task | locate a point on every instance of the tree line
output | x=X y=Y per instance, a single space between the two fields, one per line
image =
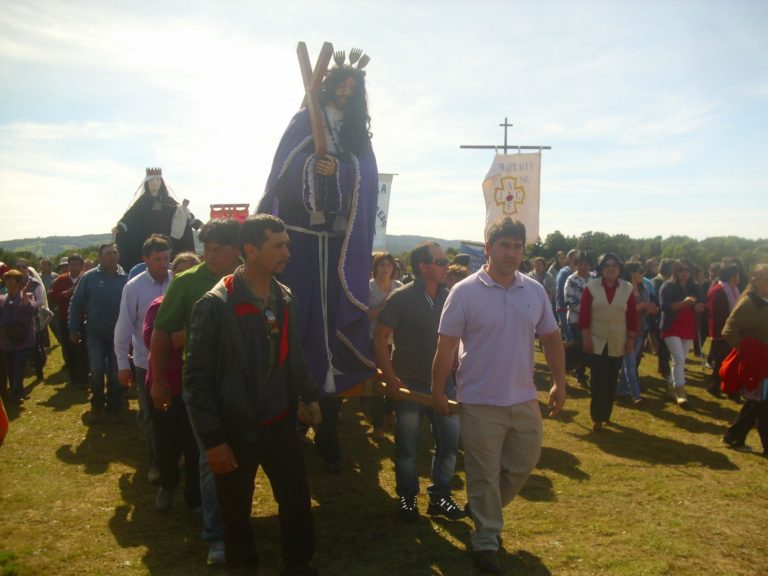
x=699 y=252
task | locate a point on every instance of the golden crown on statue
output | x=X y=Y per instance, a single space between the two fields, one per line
x=154 y=171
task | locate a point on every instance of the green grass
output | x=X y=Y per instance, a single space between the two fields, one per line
x=655 y=494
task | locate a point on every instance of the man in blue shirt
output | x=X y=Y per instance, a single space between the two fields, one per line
x=97 y=298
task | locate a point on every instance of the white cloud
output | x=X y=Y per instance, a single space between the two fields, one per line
x=632 y=98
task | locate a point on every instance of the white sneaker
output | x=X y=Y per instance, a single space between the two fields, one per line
x=680 y=397
x=217 y=553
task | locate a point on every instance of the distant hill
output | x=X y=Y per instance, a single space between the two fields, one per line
x=53 y=245
x=399 y=244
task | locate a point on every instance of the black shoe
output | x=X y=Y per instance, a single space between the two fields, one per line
x=487 y=561
x=738 y=445
x=446 y=506
x=409 y=510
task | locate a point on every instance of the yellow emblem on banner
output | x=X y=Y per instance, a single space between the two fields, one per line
x=510 y=194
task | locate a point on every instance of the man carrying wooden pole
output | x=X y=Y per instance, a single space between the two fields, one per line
x=411 y=316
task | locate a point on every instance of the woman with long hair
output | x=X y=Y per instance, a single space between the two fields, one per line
x=680 y=301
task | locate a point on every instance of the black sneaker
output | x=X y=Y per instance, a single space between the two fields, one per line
x=487 y=561
x=446 y=506
x=738 y=445
x=409 y=510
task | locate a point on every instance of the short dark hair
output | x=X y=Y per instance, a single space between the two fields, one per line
x=665 y=266
x=104 y=246
x=421 y=255
x=155 y=243
x=461 y=259
x=631 y=267
x=582 y=256
x=608 y=256
x=74 y=258
x=254 y=229
x=506 y=227
x=223 y=231
x=728 y=272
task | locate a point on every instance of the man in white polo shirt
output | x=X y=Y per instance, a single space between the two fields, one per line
x=495 y=314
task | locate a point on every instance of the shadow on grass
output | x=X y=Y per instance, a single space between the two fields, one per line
x=562 y=462
x=104 y=444
x=172 y=540
x=658 y=403
x=65 y=396
x=630 y=443
x=540 y=488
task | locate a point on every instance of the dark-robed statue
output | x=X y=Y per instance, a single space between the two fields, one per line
x=153 y=211
x=328 y=201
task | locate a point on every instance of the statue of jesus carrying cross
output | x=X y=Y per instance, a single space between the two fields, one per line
x=324 y=186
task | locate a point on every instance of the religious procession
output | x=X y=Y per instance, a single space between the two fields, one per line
x=244 y=363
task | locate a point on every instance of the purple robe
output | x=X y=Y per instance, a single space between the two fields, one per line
x=342 y=258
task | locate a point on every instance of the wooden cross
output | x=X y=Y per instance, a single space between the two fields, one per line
x=313 y=82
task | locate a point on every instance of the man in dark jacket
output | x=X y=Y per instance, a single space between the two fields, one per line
x=246 y=377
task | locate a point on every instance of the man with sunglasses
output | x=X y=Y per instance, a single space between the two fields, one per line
x=412 y=314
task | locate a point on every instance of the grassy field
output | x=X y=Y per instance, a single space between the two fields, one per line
x=655 y=493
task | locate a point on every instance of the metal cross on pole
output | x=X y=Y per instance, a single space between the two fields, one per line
x=506 y=125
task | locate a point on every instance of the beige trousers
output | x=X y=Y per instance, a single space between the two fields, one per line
x=502 y=444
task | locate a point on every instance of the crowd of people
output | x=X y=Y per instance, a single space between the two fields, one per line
x=211 y=347
x=234 y=355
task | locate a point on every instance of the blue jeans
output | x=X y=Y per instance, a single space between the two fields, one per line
x=103 y=364
x=629 y=381
x=212 y=531
x=446 y=431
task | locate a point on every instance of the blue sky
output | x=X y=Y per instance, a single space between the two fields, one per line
x=657 y=112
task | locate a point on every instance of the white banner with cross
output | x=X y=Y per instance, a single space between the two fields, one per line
x=511 y=188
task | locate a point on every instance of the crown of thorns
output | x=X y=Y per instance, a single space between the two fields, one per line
x=355 y=56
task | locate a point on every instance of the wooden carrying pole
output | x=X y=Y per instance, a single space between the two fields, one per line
x=313 y=81
x=375 y=386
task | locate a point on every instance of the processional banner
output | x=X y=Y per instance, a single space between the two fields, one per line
x=382 y=211
x=511 y=188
